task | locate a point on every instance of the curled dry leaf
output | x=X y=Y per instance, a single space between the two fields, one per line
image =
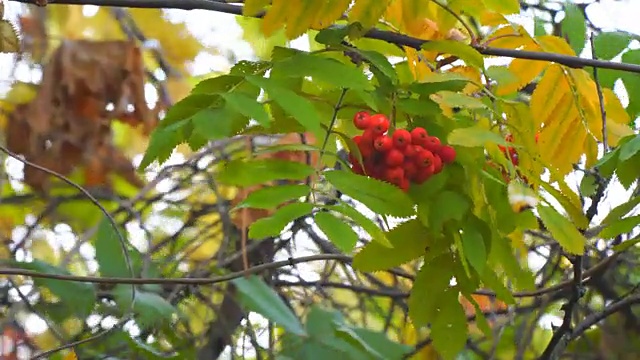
x=9 y=40
x=85 y=86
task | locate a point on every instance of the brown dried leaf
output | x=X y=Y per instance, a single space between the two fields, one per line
x=9 y=40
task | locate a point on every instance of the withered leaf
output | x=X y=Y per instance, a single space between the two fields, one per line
x=9 y=40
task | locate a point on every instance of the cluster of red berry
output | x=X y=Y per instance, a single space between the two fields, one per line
x=511 y=152
x=400 y=158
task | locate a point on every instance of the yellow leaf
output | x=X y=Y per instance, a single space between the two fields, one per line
x=253 y=7
x=417 y=64
x=548 y=94
x=71 y=355
x=525 y=72
x=503 y=6
x=72 y=326
x=492 y=18
x=299 y=19
x=275 y=17
x=510 y=37
x=367 y=12
x=554 y=44
x=331 y=11
x=413 y=14
x=471 y=73
x=617 y=118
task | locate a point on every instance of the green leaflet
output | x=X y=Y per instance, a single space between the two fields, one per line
x=274 y=224
x=337 y=231
x=574 y=27
x=271 y=197
x=380 y=197
x=259 y=171
x=562 y=230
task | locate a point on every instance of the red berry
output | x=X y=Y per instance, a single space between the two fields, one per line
x=352 y=159
x=401 y=139
x=379 y=123
x=437 y=164
x=356 y=168
x=410 y=169
x=357 y=139
x=514 y=159
x=362 y=120
x=366 y=149
x=368 y=136
x=383 y=143
x=537 y=137
x=432 y=144
x=404 y=184
x=411 y=151
x=424 y=159
x=394 y=175
x=447 y=154
x=394 y=158
x=419 y=136
x=503 y=149
x=424 y=175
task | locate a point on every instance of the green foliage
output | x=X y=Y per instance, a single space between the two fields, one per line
x=151 y=309
x=258 y=171
x=272 y=196
x=562 y=230
x=574 y=27
x=339 y=232
x=274 y=224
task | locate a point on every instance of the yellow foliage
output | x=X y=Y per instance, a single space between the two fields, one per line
x=301 y=16
x=253 y=7
x=275 y=17
x=525 y=72
x=554 y=44
x=367 y=12
x=41 y=249
x=72 y=326
x=510 y=37
x=331 y=11
x=469 y=72
x=47 y=340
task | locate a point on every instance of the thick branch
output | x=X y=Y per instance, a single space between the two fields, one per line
x=388 y=36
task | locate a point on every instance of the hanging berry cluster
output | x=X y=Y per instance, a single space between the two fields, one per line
x=401 y=158
x=510 y=152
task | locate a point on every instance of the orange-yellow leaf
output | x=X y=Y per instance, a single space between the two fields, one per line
x=554 y=44
x=275 y=17
x=510 y=37
x=525 y=72
x=301 y=16
x=253 y=7
x=331 y=11
x=492 y=18
x=470 y=72
x=548 y=94
x=617 y=118
x=367 y=12
x=417 y=64
x=503 y=6
x=414 y=12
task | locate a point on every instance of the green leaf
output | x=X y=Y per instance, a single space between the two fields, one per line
x=217 y=85
x=367 y=224
x=474 y=248
x=273 y=196
x=256 y=296
x=622 y=226
x=332 y=35
x=337 y=231
x=474 y=136
x=588 y=185
x=420 y=107
x=449 y=329
x=111 y=260
x=574 y=27
x=626 y=245
x=562 y=230
x=293 y=104
x=249 y=107
x=161 y=145
x=380 y=197
x=461 y=50
x=259 y=171
x=621 y=210
x=188 y=107
x=325 y=69
x=454 y=99
x=449 y=205
x=630 y=148
x=81 y=297
x=481 y=319
x=216 y=123
x=628 y=171
x=381 y=63
x=409 y=241
x=381 y=344
x=348 y=334
x=609 y=44
x=150 y=308
x=430 y=284
x=273 y=225
x=490 y=279
x=436 y=82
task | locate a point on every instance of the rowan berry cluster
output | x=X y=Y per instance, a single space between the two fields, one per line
x=401 y=158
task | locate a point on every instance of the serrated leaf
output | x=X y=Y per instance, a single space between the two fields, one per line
x=367 y=224
x=150 y=308
x=435 y=82
x=189 y=106
x=325 y=69
x=458 y=49
x=381 y=344
x=381 y=197
x=81 y=297
x=588 y=185
x=574 y=27
x=216 y=123
x=409 y=241
x=474 y=248
x=474 y=136
x=273 y=196
x=274 y=224
x=381 y=63
x=562 y=230
x=9 y=39
x=609 y=44
x=367 y=12
x=430 y=284
x=249 y=107
x=450 y=206
x=259 y=171
x=626 y=245
x=449 y=329
x=293 y=104
x=622 y=226
x=253 y=7
x=161 y=145
x=256 y=296
x=621 y=210
x=630 y=148
x=454 y=99
x=337 y=231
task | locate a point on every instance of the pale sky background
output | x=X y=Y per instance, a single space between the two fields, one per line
x=221 y=31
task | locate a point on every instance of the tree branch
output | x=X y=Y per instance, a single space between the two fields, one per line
x=387 y=36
